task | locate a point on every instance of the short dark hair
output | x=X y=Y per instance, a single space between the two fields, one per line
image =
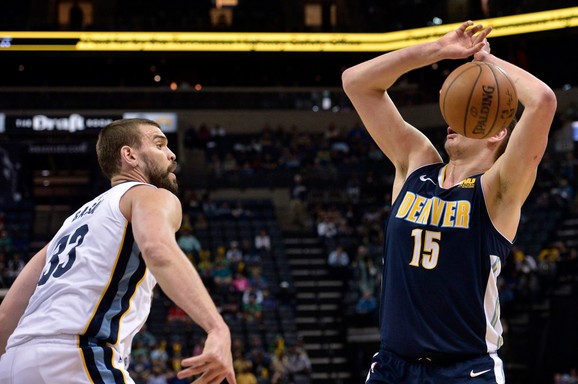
x=113 y=137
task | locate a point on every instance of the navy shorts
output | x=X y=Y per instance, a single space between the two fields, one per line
x=389 y=368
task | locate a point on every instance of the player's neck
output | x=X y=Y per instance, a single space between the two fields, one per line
x=124 y=177
x=456 y=171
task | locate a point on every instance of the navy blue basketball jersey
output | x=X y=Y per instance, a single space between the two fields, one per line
x=442 y=258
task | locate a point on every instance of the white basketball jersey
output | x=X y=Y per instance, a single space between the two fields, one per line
x=95 y=287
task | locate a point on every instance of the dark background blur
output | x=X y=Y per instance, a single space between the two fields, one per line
x=547 y=54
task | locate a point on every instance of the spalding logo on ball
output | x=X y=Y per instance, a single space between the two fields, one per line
x=478 y=100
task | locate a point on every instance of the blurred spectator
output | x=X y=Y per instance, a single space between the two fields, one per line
x=279 y=367
x=234 y=255
x=338 y=262
x=158 y=374
x=253 y=292
x=205 y=268
x=353 y=189
x=567 y=378
x=366 y=309
x=145 y=336
x=186 y=223
x=14 y=266
x=175 y=366
x=159 y=353
x=299 y=365
x=298 y=193
x=363 y=270
x=222 y=274
x=208 y=206
x=8 y=178
x=563 y=194
x=252 y=308
x=327 y=229
x=189 y=243
x=243 y=369
x=177 y=318
x=256 y=278
x=250 y=254
x=201 y=222
x=5 y=240
x=263 y=241
x=3 y=277
x=240 y=282
x=216 y=167
x=240 y=212
x=548 y=259
x=140 y=368
x=223 y=210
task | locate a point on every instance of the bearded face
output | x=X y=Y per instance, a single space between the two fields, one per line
x=162 y=178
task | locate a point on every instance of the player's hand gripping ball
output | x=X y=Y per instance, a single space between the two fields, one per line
x=478 y=99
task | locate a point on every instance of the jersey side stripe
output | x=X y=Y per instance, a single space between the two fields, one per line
x=98 y=362
x=99 y=326
x=90 y=323
x=135 y=277
x=102 y=330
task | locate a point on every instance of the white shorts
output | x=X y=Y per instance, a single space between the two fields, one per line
x=58 y=362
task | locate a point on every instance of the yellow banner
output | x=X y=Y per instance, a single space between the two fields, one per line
x=273 y=42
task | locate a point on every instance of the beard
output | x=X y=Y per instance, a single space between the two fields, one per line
x=160 y=178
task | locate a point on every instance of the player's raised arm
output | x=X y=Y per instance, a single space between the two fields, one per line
x=367 y=83
x=508 y=183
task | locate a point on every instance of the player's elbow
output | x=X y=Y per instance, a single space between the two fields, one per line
x=350 y=80
x=544 y=101
x=547 y=100
x=155 y=253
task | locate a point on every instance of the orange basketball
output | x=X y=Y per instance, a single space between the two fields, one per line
x=478 y=100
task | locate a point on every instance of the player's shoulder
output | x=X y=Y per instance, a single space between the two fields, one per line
x=149 y=195
x=149 y=191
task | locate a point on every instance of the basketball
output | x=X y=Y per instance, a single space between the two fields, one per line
x=478 y=99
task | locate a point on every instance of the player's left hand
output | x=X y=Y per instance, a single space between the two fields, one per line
x=214 y=365
x=465 y=41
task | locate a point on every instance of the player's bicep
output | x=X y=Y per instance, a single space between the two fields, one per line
x=518 y=165
x=155 y=216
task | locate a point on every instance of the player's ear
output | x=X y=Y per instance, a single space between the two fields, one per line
x=500 y=135
x=128 y=155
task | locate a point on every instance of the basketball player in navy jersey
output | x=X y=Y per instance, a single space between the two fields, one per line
x=452 y=224
x=73 y=311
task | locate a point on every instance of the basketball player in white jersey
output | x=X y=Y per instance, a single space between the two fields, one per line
x=72 y=313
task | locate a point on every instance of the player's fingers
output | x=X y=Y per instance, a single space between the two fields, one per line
x=201 y=359
x=484 y=33
x=473 y=30
x=211 y=377
x=193 y=370
x=231 y=379
x=465 y=25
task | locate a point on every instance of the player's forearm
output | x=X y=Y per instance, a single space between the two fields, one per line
x=381 y=73
x=182 y=284
x=532 y=92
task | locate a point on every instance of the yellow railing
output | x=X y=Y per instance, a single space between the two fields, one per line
x=273 y=42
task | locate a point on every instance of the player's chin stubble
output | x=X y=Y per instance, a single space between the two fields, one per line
x=161 y=179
